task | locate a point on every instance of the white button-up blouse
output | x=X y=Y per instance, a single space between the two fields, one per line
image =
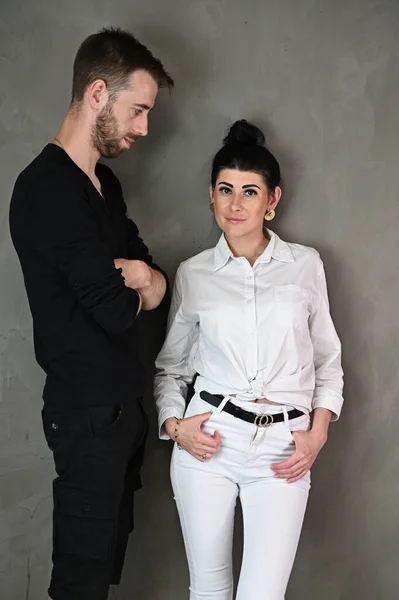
x=253 y=332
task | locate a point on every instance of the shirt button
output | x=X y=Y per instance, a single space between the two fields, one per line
x=249 y=301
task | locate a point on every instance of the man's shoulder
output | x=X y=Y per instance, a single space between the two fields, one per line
x=45 y=172
x=43 y=191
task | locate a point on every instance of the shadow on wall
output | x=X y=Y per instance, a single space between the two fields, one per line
x=155 y=560
x=335 y=519
x=190 y=74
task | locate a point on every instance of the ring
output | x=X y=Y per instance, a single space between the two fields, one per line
x=204 y=456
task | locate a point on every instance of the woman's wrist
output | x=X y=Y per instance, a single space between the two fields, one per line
x=172 y=425
x=320 y=435
x=321 y=419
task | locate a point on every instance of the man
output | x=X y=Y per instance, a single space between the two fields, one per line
x=87 y=275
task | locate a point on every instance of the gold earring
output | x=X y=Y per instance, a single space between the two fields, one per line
x=212 y=207
x=269 y=216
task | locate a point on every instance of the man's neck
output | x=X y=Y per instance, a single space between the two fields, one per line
x=75 y=138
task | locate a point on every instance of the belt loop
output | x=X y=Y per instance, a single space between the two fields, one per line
x=222 y=404
x=286 y=419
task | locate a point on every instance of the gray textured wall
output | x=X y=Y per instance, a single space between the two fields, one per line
x=322 y=78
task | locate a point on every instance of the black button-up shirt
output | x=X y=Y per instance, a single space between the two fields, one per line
x=67 y=236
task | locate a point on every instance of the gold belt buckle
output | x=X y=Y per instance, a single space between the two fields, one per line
x=262 y=421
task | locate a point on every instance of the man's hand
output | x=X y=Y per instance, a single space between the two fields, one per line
x=149 y=283
x=136 y=273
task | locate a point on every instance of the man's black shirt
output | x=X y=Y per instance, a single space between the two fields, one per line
x=67 y=236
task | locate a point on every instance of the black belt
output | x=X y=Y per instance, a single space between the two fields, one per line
x=260 y=419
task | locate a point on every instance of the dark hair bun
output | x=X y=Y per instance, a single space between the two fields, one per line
x=244 y=133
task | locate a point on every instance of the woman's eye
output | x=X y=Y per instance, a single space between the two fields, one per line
x=250 y=192
x=137 y=111
x=225 y=190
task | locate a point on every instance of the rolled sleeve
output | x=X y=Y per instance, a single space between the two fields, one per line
x=330 y=400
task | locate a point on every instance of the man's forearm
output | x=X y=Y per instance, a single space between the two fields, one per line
x=152 y=295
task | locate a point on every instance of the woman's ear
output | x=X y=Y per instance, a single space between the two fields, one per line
x=274 y=197
x=211 y=192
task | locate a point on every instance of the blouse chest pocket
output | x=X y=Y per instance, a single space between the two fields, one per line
x=291 y=306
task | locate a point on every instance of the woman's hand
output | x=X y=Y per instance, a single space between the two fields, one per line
x=308 y=445
x=190 y=437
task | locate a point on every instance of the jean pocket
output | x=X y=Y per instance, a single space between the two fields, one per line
x=104 y=420
x=55 y=430
x=197 y=406
x=301 y=423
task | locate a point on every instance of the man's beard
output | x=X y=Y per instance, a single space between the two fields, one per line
x=105 y=135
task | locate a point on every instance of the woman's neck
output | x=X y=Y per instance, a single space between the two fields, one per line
x=248 y=247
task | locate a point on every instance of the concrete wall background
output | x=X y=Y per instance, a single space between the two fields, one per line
x=322 y=79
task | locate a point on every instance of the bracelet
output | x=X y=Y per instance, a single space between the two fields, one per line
x=176 y=432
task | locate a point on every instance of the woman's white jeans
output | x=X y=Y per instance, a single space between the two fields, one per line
x=273 y=509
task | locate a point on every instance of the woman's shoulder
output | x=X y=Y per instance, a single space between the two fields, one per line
x=304 y=253
x=204 y=258
x=203 y=262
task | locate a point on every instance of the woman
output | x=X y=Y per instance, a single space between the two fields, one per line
x=250 y=319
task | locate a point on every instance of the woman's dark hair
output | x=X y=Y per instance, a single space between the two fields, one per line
x=244 y=149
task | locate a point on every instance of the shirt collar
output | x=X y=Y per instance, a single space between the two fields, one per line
x=276 y=248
